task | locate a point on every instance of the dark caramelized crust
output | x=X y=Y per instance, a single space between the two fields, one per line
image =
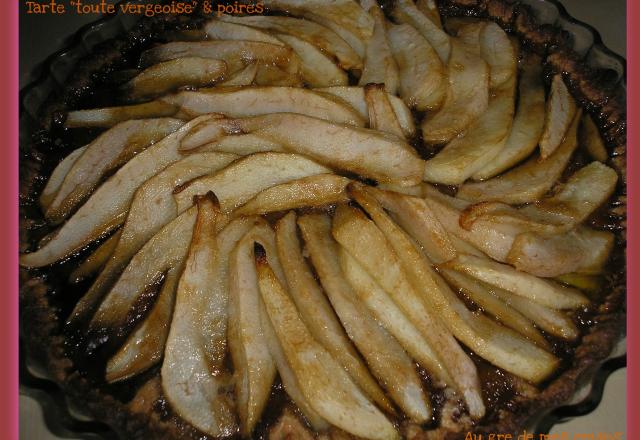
x=146 y=415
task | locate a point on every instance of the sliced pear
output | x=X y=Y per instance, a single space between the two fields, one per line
x=322 y=37
x=356 y=98
x=316 y=311
x=318 y=70
x=268 y=75
x=489 y=340
x=379 y=64
x=195 y=388
x=90 y=168
x=242 y=144
x=561 y=111
x=381 y=114
x=527 y=182
x=313 y=192
x=253 y=101
x=502 y=214
x=345 y=17
x=145 y=346
x=494 y=306
x=109 y=204
x=235 y=53
x=325 y=385
x=546 y=255
x=223 y=30
x=152 y=208
x=393 y=319
x=545 y=292
x=366 y=152
x=527 y=125
x=365 y=242
x=167 y=249
x=414 y=216
x=57 y=177
x=466 y=99
x=386 y=358
x=422 y=74
x=592 y=140
x=98 y=258
x=499 y=52
x=415 y=190
x=170 y=75
x=405 y=11
x=243 y=179
x=241 y=78
x=110 y=116
x=430 y=9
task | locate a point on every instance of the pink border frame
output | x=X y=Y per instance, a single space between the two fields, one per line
x=9 y=222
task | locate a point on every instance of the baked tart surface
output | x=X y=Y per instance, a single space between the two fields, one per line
x=404 y=221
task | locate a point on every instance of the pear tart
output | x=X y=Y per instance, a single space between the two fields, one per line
x=344 y=221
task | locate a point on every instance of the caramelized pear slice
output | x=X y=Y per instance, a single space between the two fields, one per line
x=145 y=346
x=527 y=182
x=57 y=177
x=367 y=244
x=326 y=386
x=466 y=99
x=527 y=125
x=405 y=11
x=356 y=98
x=312 y=192
x=110 y=116
x=274 y=76
x=379 y=65
x=223 y=30
x=252 y=101
x=110 y=202
x=98 y=157
x=545 y=292
x=316 y=311
x=242 y=145
x=98 y=258
x=170 y=75
x=592 y=140
x=430 y=9
x=195 y=387
x=422 y=74
x=386 y=358
x=561 y=111
x=248 y=176
x=318 y=70
x=390 y=315
x=241 y=78
x=381 y=114
x=152 y=208
x=322 y=37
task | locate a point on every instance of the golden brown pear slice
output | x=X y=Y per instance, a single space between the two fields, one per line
x=527 y=125
x=405 y=11
x=98 y=157
x=527 y=182
x=393 y=319
x=170 y=75
x=345 y=17
x=422 y=74
x=274 y=76
x=356 y=98
x=316 y=311
x=248 y=176
x=145 y=346
x=545 y=292
x=430 y=9
x=57 y=177
x=252 y=101
x=322 y=37
x=495 y=343
x=110 y=116
x=326 y=386
x=110 y=202
x=367 y=244
x=592 y=140
x=242 y=145
x=241 y=78
x=386 y=358
x=313 y=192
x=223 y=30
x=195 y=387
x=467 y=95
x=379 y=64
x=152 y=208
x=381 y=114
x=561 y=111
x=98 y=258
